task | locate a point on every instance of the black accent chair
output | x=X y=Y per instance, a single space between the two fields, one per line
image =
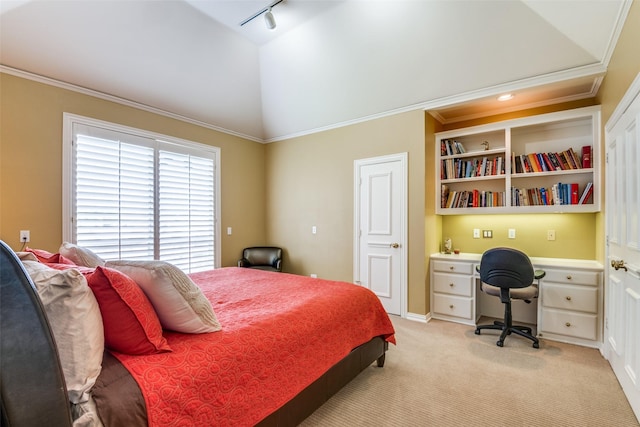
x=508 y=273
x=268 y=258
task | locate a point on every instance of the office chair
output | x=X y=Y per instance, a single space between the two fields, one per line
x=508 y=273
x=262 y=258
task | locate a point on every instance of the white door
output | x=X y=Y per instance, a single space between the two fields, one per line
x=622 y=270
x=380 y=229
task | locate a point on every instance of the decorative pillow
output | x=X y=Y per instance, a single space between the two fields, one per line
x=48 y=257
x=27 y=256
x=180 y=303
x=130 y=324
x=75 y=320
x=80 y=255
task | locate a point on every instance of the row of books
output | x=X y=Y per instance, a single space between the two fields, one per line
x=470 y=168
x=547 y=162
x=558 y=194
x=449 y=147
x=472 y=199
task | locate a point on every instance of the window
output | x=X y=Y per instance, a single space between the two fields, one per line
x=131 y=194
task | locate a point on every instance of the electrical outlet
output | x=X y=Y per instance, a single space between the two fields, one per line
x=25 y=236
x=551 y=234
x=476 y=233
x=512 y=233
x=487 y=234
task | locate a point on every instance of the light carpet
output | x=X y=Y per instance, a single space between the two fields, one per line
x=442 y=374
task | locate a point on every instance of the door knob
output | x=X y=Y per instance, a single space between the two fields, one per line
x=395 y=245
x=618 y=265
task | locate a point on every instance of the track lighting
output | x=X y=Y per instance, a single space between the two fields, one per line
x=269 y=19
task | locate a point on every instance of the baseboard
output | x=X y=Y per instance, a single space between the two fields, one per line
x=422 y=318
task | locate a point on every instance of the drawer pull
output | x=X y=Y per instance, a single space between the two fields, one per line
x=451 y=284
x=451 y=268
x=569 y=277
x=568 y=325
x=451 y=306
x=568 y=298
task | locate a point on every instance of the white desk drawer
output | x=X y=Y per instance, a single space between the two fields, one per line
x=570 y=323
x=453 y=284
x=590 y=278
x=567 y=297
x=450 y=305
x=453 y=267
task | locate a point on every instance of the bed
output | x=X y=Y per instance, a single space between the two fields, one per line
x=283 y=345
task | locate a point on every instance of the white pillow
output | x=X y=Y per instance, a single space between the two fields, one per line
x=80 y=256
x=74 y=316
x=179 y=303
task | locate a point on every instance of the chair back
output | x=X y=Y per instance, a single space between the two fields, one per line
x=506 y=268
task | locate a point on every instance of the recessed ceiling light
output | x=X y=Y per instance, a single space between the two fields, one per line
x=505 y=97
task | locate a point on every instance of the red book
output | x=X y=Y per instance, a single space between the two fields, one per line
x=574 y=194
x=586 y=156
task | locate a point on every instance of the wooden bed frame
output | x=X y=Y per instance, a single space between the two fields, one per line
x=31 y=379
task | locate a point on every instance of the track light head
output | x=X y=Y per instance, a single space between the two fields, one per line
x=269 y=20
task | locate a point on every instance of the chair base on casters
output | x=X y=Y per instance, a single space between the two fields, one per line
x=507 y=327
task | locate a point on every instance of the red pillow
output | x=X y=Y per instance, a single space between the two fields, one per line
x=131 y=325
x=48 y=257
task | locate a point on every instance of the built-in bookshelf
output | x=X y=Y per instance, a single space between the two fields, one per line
x=545 y=163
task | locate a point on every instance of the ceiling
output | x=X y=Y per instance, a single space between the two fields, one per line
x=327 y=64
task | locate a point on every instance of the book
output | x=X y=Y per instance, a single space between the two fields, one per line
x=586 y=156
x=542 y=163
x=586 y=193
x=570 y=161
x=564 y=163
x=547 y=162
x=554 y=161
x=575 y=158
x=535 y=164
x=543 y=196
x=574 y=193
x=444 y=195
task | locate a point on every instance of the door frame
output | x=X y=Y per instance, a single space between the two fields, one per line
x=358 y=165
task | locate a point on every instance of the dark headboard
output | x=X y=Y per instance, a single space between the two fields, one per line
x=31 y=378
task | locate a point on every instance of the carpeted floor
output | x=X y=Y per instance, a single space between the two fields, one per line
x=442 y=374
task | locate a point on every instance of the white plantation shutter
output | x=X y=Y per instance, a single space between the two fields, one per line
x=139 y=198
x=186 y=205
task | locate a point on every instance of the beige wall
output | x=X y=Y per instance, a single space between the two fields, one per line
x=31 y=164
x=310 y=182
x=622 y=70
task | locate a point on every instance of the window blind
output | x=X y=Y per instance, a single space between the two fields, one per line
x=138 y=198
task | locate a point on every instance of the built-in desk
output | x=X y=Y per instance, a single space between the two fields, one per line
x=568 y=308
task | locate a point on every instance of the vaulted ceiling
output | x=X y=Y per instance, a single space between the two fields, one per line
x=328 y=63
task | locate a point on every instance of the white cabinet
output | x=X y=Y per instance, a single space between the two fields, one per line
x=542 y=163
x=570 y=304
x=453 y=289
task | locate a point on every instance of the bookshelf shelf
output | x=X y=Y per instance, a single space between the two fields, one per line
x=546 y=163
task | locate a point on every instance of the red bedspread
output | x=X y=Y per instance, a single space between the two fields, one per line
x=280 y=332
